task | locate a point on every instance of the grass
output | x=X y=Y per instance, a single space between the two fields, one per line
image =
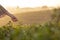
x=30 y=32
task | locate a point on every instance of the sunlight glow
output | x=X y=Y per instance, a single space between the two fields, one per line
x=30 y=3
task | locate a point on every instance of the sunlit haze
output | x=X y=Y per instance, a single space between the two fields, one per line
x=30 y=3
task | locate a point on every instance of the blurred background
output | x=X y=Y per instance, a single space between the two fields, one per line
x=37 y=20
x=29 y=11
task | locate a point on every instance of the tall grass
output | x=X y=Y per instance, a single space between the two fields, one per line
x=47 y=31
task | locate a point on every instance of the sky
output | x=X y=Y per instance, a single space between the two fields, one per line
x=30 y=3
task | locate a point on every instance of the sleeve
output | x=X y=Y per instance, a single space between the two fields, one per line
x=3 y=11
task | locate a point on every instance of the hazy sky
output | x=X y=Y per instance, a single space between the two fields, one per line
x=30 y=3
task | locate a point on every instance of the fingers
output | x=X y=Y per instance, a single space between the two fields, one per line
x=14 y=19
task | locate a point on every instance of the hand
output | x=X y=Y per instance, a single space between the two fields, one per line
x=14 y=19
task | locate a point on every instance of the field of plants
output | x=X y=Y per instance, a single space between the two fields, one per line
x=48 y=31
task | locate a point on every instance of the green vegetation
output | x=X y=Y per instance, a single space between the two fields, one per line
x=47 y=31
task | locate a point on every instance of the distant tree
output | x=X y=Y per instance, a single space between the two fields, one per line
x=17 y=7
x=44 y=6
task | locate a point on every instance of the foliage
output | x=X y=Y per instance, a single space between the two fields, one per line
x=47 y=31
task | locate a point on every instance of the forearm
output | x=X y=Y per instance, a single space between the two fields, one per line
x=9 y=14
x=14 y=19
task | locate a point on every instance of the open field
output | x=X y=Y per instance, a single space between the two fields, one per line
x=29 y=15
x=36 y=25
